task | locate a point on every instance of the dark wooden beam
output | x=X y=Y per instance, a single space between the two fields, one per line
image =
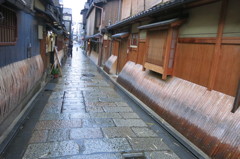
x=200 y=3
x=197 y=40
x=217 y=51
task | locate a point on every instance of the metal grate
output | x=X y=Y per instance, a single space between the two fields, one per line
x=133 y=156
x=139 y=157
x=88 y=75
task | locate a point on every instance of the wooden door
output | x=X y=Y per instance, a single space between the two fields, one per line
x=105 y=53
x=122 y=55
x=141 y=52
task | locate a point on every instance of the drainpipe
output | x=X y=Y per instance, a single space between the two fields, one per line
x=119 y=9
x=101 y=42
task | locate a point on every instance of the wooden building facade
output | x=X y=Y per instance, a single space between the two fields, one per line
x=24 y=59
x=182 y=59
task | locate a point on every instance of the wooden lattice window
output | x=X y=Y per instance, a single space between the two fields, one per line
x=8 y=26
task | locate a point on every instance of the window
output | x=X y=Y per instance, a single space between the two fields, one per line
x=8 y=26
x=134 y=40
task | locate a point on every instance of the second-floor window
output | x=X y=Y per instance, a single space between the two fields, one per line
x=134 y=40
x=8 y=26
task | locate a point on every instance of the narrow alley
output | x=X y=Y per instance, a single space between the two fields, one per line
x=119 y=79
x=84 y=116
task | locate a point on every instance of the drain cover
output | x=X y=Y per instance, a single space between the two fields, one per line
x=139 y=157
x=134 y=156
x=88 y=75
x=50 y=87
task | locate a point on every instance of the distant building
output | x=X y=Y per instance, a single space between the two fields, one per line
x=67 y=20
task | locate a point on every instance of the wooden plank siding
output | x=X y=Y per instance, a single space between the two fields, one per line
x=193 y=62
x=228 y=73
x=137 y=6
x=126 y=9
x=110 y=12
x=210 y=61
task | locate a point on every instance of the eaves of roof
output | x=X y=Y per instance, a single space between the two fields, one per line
x=25 y=6
x=98 y=35
x=153 y=10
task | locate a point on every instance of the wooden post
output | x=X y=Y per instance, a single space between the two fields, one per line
x=217 y=51
x=167 y=53
x=146 y=52
x=58 y=62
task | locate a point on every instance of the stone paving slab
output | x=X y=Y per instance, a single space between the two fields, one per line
x=105 y=115
x=100 y=104
x=54 y=149
x=129 y=115
x=39 y=136
x=144 y=132
x=130 y=122
x=106 y=145
x=54 y=116
x=117 y=109
x=79 y=115
x=118 y=132
x=58 y=135
x=58 y=124
x=93 y=123
x=97 y=156
x=86 y=133
x=151 y=144
x=161 y=155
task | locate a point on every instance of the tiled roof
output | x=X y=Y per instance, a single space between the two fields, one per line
x=153 y=10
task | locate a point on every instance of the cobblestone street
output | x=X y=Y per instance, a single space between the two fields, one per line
x=82 y=116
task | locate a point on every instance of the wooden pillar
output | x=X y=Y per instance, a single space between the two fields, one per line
x=167 y=53
x=217 y=51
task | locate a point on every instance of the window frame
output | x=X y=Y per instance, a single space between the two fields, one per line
x=9 y=38
x=136 y=38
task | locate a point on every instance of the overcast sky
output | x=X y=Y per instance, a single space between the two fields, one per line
x=77 y=6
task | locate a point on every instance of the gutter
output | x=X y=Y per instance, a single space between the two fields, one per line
x=20 y=4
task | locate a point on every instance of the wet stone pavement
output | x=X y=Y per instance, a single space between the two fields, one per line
x=85 y=118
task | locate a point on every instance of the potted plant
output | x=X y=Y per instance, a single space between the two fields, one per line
x=55 y=72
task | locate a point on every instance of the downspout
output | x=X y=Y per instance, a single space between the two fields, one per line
x=101 y=41
x=119 y=9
